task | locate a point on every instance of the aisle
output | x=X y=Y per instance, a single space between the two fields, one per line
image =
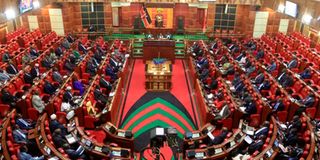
x=144 y=111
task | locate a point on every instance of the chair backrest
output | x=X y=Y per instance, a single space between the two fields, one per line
x=33 y=114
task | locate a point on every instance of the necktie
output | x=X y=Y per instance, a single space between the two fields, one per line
x=14 y=69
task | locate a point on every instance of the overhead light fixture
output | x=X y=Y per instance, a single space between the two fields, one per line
x=281 y=8
x=10 y=13
x=226 y=9
x=306 y=18
x=36 y=4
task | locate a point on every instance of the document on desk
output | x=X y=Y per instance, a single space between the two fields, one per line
x=53 y=158
x=71 y=139
x=195 y=135
x=116 y=153
x=218 y=150
x=199 y=155
x=121 y=134
x=248 y=139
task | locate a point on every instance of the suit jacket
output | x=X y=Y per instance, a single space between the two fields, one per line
x=255 y=146
x=74 y=154
x=105 y=84
x=46 y=63
x=8 y=98
x=34 y=53
x=56 y=76
x=11 y=69
x=99 y=96
x=306 y=74
x=27 y=156
x=35 y=72
x=54 y=124
x=5 y=57
x=82 y=48
x=293 y=64
x=278 y=106
x=4 y=77
x=49 y=88
x=59 y=140
x=308 y=101
x=259 y=78
x=77 y=85
x=68 y=66
x=68 y=96
x=272 y=67
x=28 y=78
x=251 y=108
x=111 y=73
x=91 y=69
x=260 y=54
x=38 y=103
x=288 y=82
x=261 y=131
x=59 y=51
x=19 y=136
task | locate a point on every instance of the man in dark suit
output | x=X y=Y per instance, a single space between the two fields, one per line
x=110 y=72
x=35 y=71
x=33 y=52
x=256 y=145
x=82 y=48
x=278 y=105
x=99 y=96
x=91 y=68
x=59 y=51
x=220 y=138
x=12 y=69
x=264 y=129
x=306 y=74
x=260 y=54
x=24 y=155
x=204 y=74
x=48 y=88
x=213 y=85
x=272 y=67
x=265 y=85
x=59 y=138
x=68 y=94
x=25 y=124
x=20 y=136
x=74 y=154
x=6 y=56
x=8 y=98
x=27 y=78
x=55 y=124
x=47 y=62
x=250 y=106
x=295 y=124
x=309 y=100
x=293 y=63
x=291 y=138
x=259 y=78
x=56 y=76
x=105 y=84
x=68 y=65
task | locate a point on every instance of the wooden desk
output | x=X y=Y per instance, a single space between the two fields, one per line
x=152 y=48
x=158 y=77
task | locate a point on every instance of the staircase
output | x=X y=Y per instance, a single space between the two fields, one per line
x=180 y=46
x=137 y=45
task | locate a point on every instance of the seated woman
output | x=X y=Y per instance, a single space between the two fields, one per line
x=78 y=85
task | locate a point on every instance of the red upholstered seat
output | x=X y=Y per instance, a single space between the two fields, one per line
x=89 y=122
x=33 y=114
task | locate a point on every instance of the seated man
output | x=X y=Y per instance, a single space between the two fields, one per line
x=72 y=153
x=65 y=44
x=82 y=48
x=33 y=52
x=47 y=62
x=259 y=78
x=59 y=52
x=260 y=54
x=278 y=105
x=4 y=77
x=293 y=63
x=265 y=85
x=6 y=56
x=54 y=124
x=309 y=100
x=37 y=102
x=110 y=72
x=99 y=96
x=35 y=71
x=26 y=58
x=250 y=106
x=12 y=69
x=59 y=138
x=19 y=136
x=272 y=67
x=91 y=68
x=24 y=155
x=27 y=77
x=24 y=123
x=48 y=88
x=56 y=76
x=69 y=66
x=105 y=84
x=306 y=74
x=263 y=131
x=8 y=98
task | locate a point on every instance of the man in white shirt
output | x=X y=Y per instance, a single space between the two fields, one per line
x=37 y=102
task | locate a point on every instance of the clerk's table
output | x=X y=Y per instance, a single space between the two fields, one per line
x=164 y=47
x=158 y=76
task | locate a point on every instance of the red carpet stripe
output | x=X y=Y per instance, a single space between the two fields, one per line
x=137 y=86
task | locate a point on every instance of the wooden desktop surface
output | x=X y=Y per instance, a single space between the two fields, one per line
x=159 y=48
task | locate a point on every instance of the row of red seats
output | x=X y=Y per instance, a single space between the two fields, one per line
x=13 y=35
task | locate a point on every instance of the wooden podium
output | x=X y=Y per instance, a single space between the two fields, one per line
x=152 y=48
x=158 y=77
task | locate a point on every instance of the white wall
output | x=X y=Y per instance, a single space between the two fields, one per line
x=33 y=22
x=56 y=21
x=260 y=24
x=283 y=26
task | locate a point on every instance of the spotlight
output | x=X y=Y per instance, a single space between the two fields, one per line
x=36 y=4
x=306 y=18
x=10 y=13
x=281 y=8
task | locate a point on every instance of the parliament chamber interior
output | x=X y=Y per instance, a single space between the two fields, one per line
x=160 y=79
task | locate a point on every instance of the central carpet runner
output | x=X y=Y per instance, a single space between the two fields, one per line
x=157 y=109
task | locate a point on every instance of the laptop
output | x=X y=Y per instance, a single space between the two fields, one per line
x=71 y=139
x=80 y=150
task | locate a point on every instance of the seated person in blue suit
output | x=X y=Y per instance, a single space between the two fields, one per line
x=306 y=74
x=250 y=106
x=259 y=78
x=278 y=105
x=110 y=72
x=264 y=129
x=265 y=85
x=54 y=124
x=293 y=63
x=33 y=52
x=24 y=123
x=260 y=54
x=24 y=155
x=309 y=100
x=272 y=67
x=82 y=48
x=48 y=88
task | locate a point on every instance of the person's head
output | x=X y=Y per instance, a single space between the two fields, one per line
x=51 y=50
x=97 y=87
x=57 y=131
x=53 y=117
x=65 y=146
x=55 y=69
x=35 y=92
x=266 y=123
x=295 y=118
x=68 y=88
x=36 y=65
x=224 y=129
